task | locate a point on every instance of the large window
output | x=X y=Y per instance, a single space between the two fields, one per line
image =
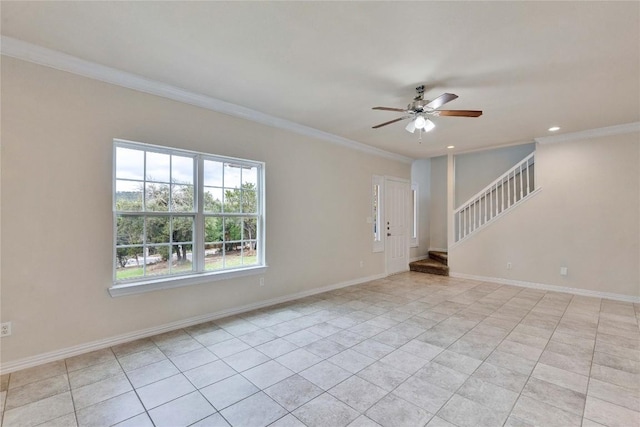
x=180 y=213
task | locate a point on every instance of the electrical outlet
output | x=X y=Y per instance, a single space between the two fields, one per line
x=508 y=266
x=564 y=271
x=262 y=281
x=361 y=264
x=5 y=329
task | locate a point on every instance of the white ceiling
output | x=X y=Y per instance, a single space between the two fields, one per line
x=527 y=65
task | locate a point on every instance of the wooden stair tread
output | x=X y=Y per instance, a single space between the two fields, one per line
x=430 y=266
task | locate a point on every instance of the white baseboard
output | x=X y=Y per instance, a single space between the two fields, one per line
x=545 y=287
x=64 y=353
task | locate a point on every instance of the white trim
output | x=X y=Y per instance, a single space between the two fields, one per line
x=590 y=133
x=134 y=288
x=64 y=353
x=545 y=287
x=19 y=49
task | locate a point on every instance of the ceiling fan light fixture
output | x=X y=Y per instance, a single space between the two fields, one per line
x=420 y=122
x=411 y=126
x=428 y=125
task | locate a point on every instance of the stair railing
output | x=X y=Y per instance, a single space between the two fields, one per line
x=496 y=198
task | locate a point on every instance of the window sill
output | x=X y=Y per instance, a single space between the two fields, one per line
x=122 y=289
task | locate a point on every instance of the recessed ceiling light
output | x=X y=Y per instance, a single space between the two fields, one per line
x=451 y=146
x=554 y=128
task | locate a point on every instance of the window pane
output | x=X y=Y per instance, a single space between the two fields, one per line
x=158 y=167
x=213 y=256
x=181 y=260
x=182 y=227
x=129 y=163
x=232 y=230
x=213 y=229
x=249 y=253
x=181 y=170
x=182 y=198
x=249 y=228
x=232 y=175
x=249 y=201
x=157 y=197
x=130 y=230
x=232 y=201
x=213 y=199
x=129 y=263
x=212 y=173
x=158 y=229
x=250 y=176
x=156 y=259
x=129 y=195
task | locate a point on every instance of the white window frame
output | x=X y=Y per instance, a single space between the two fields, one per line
x=377 y=200
x=413 y=238
x=199 y=274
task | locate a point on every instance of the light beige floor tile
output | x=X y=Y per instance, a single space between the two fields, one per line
x=298 y=360
x=384 y=376
x=467 y=413
x=500 y=376
x=38 y=390
x=210 y=373
x=511 y=362
x=561 y=377
x=325 y=375
x=110 y=411
x=68 y=420
x=609 y=414
x=151 y=373
x=183 y=411
x=100 y=391
x=256 y=410
x=616 y=362
x=325 y=410
x=363 y=421
x=94 y=373
x=538 y=413
x=276 y=348
x=293 y=392
x=246 y=359
x=143 y=358
x=31 y=375
x=229 y=347
x=228 y=391
x=404 y=361
x=459 y=362
x=357 y=393
x=141 y=420
x=442 y=376
x=258 y=337
x=392 y=411
x=555 y=395
x=90 y=359
x=267 y=374
x=160 y=392
x=615 y=376
x=215 y=420
x=39 y=411
x=351 y=360
x=423 y=394
x=487 y=394
x=131 y=347
x=4 y=382
x=614 y=394
x=567 y=363
x=210 y=338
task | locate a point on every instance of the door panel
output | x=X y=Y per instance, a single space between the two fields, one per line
x=397 y=225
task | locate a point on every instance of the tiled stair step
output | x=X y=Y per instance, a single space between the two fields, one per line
x=443 y=257
x=430 y=266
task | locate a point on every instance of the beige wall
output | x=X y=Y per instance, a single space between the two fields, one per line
x=585 y=218
x=475 y=171
x=438 y=208
x=57 y=131
x=421 y=174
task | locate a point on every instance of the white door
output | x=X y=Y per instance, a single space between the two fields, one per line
x=396 y=225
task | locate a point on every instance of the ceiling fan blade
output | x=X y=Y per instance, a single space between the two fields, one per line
x=458 y=113
x=389 y=122
x=441 y=100
x=402 y=110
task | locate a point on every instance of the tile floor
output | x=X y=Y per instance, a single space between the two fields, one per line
x=410 y=350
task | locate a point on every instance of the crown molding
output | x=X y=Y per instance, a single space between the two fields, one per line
x=590 y=133
x=25 y=51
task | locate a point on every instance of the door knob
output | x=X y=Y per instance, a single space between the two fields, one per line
x=388 y=234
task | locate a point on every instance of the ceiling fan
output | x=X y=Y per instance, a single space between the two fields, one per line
x=419 y=110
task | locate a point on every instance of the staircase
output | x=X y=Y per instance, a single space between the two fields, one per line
x=435 y=264
x=506 y=192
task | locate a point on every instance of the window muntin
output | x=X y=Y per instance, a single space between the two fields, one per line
x=162 y=229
